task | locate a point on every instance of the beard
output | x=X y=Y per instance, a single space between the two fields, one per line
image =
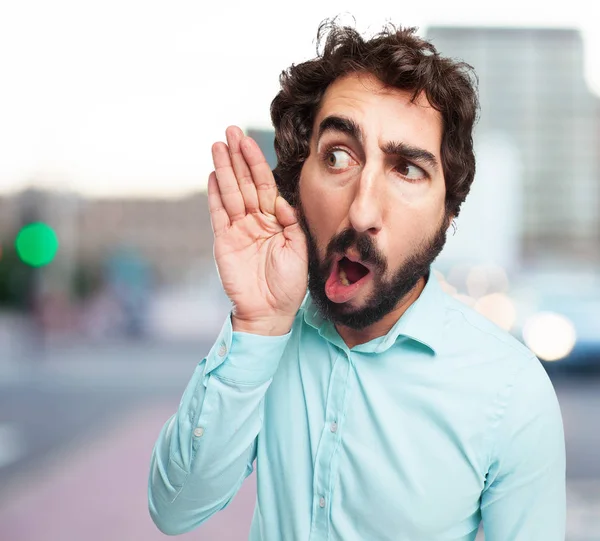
x=387 y=293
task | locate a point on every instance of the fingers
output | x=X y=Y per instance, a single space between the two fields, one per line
x=244 y=178
x=231 y=197
x=261 y=174
x=219 y=219
x=241 y=169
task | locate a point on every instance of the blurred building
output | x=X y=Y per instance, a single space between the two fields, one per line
x=8 y=216
x=173 y=236
x=265 y=138
x=535 y=101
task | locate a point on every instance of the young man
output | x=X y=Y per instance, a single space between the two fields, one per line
x=376 y=406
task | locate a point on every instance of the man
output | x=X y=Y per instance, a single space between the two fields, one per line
x=376 y=406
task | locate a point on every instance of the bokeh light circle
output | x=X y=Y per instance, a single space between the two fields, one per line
x=549 y=335
x=36 y=244
x=499 y=308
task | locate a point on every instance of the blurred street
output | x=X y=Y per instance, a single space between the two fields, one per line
x=77 y=425
x=77 y=429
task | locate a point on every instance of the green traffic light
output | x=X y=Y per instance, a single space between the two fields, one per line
x=37 y=244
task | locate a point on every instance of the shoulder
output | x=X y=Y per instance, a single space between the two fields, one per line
x=518 y=395
x=519 y=383
x=464 y=326
x=493 y=362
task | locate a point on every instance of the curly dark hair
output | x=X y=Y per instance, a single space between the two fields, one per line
x=399 y=59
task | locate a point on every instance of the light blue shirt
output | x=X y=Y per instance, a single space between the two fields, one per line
x=415 y=436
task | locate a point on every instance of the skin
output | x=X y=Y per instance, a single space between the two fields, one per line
x=260 y=245
x=398 y=204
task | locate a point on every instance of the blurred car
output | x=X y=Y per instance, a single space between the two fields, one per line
x=559 y=319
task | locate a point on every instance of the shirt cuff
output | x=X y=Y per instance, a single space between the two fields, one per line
x=244 y=358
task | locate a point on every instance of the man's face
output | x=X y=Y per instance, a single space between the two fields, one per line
x=372 y=196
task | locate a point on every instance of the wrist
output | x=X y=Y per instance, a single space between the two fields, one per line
x=264 y=327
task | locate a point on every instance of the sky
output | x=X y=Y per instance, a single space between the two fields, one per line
x=126 y=97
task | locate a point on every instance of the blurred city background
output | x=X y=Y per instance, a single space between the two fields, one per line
x=109 y=294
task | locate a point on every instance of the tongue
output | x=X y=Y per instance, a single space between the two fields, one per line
x=354 y=271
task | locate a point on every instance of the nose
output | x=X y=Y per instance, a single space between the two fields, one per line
x=366 y=212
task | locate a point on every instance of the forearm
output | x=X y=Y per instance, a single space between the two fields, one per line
x=206 y=449
x=202 y=455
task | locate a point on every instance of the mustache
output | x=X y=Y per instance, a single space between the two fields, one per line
x=364 y=244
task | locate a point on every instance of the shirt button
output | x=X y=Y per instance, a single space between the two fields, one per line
x=199 y=432
x=222 y=349
x=333 y=427
x=322 y=502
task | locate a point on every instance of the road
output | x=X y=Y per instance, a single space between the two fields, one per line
x=77 y=428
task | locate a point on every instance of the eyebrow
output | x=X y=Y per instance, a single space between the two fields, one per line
x=411 y=153
x=391 y=148
x=340 y=124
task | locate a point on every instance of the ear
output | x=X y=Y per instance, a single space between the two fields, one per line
x=450 y=222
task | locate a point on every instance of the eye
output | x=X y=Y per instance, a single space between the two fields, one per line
x=338 y=159
x=411 y=171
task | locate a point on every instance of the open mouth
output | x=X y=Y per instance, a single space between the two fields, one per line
x=346 y=279
x=350 y=272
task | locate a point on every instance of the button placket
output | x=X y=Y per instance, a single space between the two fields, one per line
x=328 y=446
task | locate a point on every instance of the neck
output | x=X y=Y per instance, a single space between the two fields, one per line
x=353 y=337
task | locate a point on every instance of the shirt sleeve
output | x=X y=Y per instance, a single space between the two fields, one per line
x=206 y=449
x=524 y=497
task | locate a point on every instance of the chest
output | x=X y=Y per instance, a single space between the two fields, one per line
x=370 y=443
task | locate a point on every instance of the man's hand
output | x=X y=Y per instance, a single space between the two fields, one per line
x=260 y=248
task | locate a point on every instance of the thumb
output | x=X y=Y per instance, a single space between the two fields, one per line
x=284 y=212
x=286 y=215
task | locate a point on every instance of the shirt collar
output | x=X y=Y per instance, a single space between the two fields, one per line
x=422 y=322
